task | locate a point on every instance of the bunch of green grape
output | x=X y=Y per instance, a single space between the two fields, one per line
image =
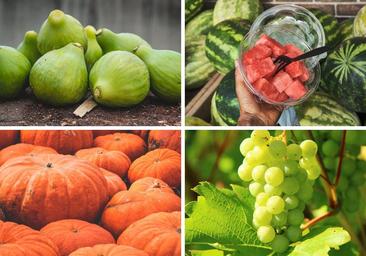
x=281 y=178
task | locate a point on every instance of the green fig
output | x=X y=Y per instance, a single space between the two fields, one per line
x=59 y=30
x=29 y=47
x=60 y=77
x=119 y=79
x=165 y=72
x=94 y=51
x=110 y=41
x=14 y=71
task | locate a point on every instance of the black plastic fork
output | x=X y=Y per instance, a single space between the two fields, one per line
x=283 y=60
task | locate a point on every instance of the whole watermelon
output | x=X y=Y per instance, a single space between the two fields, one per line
x=198 y=26
x=231 y=9
x=195 y=121
x=344 y=74
x=330 y=25
x=192 y=8
x=223 y=41
x=322 y=110
x=359 y=26
x=226 y=101
x=346 y=29
x=215 y=116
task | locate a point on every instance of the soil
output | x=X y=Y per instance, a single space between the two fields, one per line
x=26 y=111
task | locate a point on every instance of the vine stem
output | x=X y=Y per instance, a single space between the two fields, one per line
x=341 y=156
x=312 y=222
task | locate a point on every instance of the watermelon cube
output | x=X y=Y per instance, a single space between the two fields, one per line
x=295 y=69
x=256 y=53
x=261 y=84
x=268 y=90
x=281 y=81
x=296 y=90
x=292 y=49
x=259 y=69
x=305 y=74
x=281 y=97
x=276 y=47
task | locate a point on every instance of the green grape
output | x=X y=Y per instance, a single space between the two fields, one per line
x=348 y=166
x=343 y=184
x=330 y=148
x=274 y=176
x=295 y=217
x=266 y=234
x=290 y=186
x=291 y=202
x=308 y=148
x=301 y=206
x=260 y=136
x=275 y=205
x=294 y=152
x=277 y=148
x=245 y=171
x=255 y=188
x=262 y=198
x=255 y=224
x=279 y=220
x=272 y=190
x=258 y=173
x=258 y=155
x=246 y=145
x=329 y=163
x=305 y=192
x=280 y=244
x=336 y=135
x=313 y=173
x=261 y=216
x=291 y=167
x=293 y=233
x=308 y=163
x=301 y=176
x=251 y=158
x=358 y=178
x=353 y=193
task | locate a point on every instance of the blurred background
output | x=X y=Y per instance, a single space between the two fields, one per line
x=157 y=21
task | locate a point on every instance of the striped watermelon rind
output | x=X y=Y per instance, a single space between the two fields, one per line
x=359 y=25
x=195 y=121
x=346 y=29
x=223 y=41
x=330 y=25
x=215 y=116
x=231 y=9
x=321 y=110
x=226 y=101
x=344 y=74
x=198 y=26
x=198 y=68
x=192 y=8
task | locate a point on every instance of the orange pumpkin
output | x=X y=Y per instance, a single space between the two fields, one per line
x=70 y=235
x=164 y=139
x=162 y=164
x=8 y=137
x=126 y=207
x=20 y=240
x=142 y=133
x=130 y=144
x=149 y=184
x=22 y=149
x=109 y=250
x=114 y=182
x=113 y=161
x=97 y=133
x=157 y=234
x=63 y=141
x=36 y=190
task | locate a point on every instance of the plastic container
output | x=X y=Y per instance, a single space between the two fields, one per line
x=288 y=24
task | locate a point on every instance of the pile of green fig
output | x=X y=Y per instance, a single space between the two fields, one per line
x=65 y=60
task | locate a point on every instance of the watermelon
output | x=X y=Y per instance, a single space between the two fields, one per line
x=344 y=74
x=256 y=53
x=192 y=7
x=198 y=26
x=215 y=117
x=276 y=47
x=346 y=29
x=359 y=25
x=198 y=68
x=230 y=9
x=226 y=101
x=321 y=110
x=259 y=69
x=195 y=121
x=282 y=81
x=330 y=25
x=223 y=41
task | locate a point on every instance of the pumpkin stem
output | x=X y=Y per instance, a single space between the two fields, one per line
x=156 y=185
x=179 y=230
x=49 y=165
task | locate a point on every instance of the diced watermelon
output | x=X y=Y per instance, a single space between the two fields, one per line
x=296 y=90
x=276 y=47
x=305 y=75
x=268 y=90
x=256 y=53
x=282 y=97
x=259 y=69
x=261 y=83
x=290 y=48
x=295 y=69
x=281 y=81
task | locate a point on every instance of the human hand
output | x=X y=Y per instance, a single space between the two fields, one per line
x=253 y=112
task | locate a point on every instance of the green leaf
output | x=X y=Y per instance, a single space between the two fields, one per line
x=207 y=253
x=219 y=216
x=320 y=240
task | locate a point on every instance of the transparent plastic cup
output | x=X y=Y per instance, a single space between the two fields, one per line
x=288 y=24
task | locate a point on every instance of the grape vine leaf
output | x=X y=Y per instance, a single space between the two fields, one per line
x=207 y=253
x=320 y=241
x=222 y=217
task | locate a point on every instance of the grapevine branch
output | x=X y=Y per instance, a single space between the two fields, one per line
x=341 y=156
x=312 y=222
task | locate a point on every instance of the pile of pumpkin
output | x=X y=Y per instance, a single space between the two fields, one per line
x=77 y=192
